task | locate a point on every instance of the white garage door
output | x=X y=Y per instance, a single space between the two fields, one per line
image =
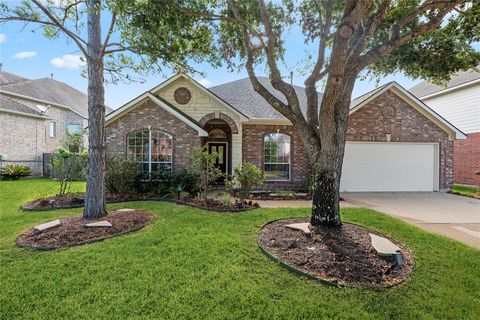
x=390 y=167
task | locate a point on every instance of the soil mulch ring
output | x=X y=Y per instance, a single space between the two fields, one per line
x=73 y=231
x=76 y=200
x=344 y=256
x=215 y=205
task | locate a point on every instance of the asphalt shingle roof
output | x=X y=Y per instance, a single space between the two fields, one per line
x=241 y=95
x=13 y=105
x=426 y=88
x=10 y=78
x=51 y=90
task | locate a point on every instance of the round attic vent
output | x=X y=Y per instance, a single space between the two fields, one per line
x=182 y=95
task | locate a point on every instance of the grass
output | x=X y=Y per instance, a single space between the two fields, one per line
x=466 y=190
x=191 y=263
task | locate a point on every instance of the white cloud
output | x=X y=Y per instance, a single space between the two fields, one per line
x=25 y=55
x=204 y=82
x=3 y=38
x=68 y=61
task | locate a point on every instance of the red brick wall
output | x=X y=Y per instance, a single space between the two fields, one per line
x=185 y=139
x=385 y=114
x=252 y=151
x=466 y=160
x=390 y=114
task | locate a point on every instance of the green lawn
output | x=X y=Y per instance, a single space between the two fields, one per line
x=466 y=190
x=191 y=263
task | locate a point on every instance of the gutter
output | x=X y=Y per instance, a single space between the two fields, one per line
x=445 y=91
x=24 y=114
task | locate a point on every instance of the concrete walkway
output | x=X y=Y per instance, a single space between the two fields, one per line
x=450 y=215
x=295 y=204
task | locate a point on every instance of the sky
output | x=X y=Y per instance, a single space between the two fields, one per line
x=27 y=53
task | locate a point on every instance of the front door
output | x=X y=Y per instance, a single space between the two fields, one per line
x=221 y=149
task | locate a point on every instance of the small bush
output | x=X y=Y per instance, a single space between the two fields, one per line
x=15 y=171
x=225 y=198
x=121 y=174
x=247 y=175
x=203 y=165
x=68 y=166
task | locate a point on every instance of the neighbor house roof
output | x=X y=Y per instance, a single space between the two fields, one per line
x=241 y=95
x=50 y=90
x=10 y=78
x=46 y=90
x=426 y=88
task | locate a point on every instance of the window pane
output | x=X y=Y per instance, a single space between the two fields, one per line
x=277 y=156
x=74 y=128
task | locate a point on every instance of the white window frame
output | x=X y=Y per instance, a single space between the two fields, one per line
x=274 y=163
x=52 y=129
x=150 y=149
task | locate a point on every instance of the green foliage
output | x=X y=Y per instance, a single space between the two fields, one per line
x=121 y=174
x=247 y=175
x=15 y=171
x=74 y=142
x=166 y=180
x=203 y=166
x=225 y=198
x=68 y=166
x=176 y=191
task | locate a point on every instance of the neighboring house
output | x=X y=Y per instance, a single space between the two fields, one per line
x=34 y=117
x=395 y=142
x=459 y=103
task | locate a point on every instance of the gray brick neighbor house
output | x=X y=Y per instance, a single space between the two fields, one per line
x=395 y=142
x=34 y=117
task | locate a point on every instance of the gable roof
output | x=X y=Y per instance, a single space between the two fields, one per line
x=241 y=95
x=208 y=92
x=115 y=114
x=413 y=101
x=426 y=88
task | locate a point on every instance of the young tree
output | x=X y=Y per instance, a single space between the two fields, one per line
x=80 y=21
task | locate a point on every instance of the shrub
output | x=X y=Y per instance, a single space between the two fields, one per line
x=247 y=175
x=203 y=166
x=169 y=179
x=121 y=174
x=68 y=166
x=15 y=171
x=225 y=198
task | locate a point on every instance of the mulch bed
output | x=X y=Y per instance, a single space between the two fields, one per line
x=343 y=256
x=215 y=205
x=73 y=231
x=76 y=200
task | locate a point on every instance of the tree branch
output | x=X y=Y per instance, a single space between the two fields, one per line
x=109 y=33
x=79 y=41
x=397 y=41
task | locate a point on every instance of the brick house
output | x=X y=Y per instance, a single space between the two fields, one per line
x=34 y=118
x=395 y=142
x=459 y=102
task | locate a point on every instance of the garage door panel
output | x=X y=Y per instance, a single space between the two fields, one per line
x=388 y=167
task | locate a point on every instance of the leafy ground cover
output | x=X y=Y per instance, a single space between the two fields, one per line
x=190 y=263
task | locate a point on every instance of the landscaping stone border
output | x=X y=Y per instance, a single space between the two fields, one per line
x=322 y=280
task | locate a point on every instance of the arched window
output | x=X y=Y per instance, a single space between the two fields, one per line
x=217 y=133
x=277 y=156
x=152 y=148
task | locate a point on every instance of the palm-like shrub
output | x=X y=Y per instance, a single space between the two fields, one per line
x=15 y=171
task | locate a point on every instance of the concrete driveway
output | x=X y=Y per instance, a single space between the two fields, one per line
x=453 y=216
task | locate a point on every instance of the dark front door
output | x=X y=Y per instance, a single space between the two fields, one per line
x=221 y=150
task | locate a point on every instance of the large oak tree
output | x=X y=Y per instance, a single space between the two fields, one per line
x=430 y=39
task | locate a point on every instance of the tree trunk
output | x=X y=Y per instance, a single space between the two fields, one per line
x=328 y=161
x=95 y=195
